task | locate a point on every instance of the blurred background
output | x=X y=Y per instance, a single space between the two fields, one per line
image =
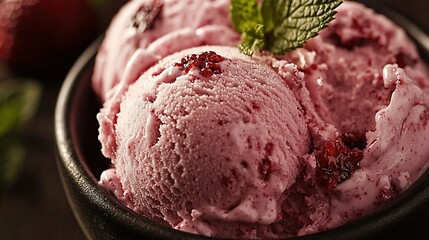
x=39 y=41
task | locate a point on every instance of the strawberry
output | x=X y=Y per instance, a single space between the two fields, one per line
x=40 y=36
x=335 y=163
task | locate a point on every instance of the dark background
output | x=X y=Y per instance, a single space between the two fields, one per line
x=36 y=207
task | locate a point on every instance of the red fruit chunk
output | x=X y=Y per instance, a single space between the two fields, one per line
x=145 y=17
x=206 y=62
x=336 y=163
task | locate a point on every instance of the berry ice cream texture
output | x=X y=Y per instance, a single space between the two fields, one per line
x=210 y=141
x=153 y=29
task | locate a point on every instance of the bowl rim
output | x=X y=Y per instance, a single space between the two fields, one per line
x=69 y=158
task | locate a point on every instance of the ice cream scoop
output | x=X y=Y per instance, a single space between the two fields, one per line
x=208 y=138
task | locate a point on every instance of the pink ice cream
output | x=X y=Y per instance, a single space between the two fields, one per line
x=153 y=29
x=344 y=68
x=213 y=142
x=185 y=119
x=354 y=94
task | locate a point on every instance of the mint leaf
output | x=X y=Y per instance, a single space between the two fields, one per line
x=280 y=25
x=247 y=19
x=302 y=20
x=274 y=12
x=245 y=15
x=252 y=40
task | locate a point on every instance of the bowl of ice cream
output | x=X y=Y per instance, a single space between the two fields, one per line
x=106 y=208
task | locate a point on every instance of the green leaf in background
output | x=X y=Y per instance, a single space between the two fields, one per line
x=19 y=100
x=12 y=155
x=285 y=24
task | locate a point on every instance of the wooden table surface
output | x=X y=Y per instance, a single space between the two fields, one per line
x=36 y=208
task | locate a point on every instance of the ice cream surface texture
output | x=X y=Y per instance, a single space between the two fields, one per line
x=210 y=141
x=152 y=29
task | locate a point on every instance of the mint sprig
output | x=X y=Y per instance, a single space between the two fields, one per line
x=280 y=26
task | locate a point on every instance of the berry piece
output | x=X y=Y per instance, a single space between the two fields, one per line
x=206 y=62
x=335 y=163
x=145 y=16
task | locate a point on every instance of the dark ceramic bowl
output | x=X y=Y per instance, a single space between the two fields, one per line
x=101 y=216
